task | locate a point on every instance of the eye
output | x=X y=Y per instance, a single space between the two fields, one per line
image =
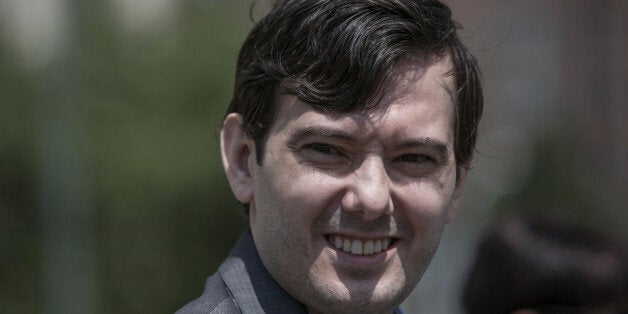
x=415 y=164
x=324 y=149
x=415 y=158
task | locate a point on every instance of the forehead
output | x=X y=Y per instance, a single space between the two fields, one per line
x=418 y=101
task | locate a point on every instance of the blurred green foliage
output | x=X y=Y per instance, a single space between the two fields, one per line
x=163 y=215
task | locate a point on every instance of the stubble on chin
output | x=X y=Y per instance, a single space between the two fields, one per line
x=330 y=293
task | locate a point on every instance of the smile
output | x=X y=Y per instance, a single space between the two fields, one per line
x=360 y=246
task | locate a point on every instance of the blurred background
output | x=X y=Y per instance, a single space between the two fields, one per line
x=112 y=197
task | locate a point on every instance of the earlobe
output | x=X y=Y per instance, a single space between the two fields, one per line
x=236 y=150
x=456 y=197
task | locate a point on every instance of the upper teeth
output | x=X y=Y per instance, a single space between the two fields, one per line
x=361 y=247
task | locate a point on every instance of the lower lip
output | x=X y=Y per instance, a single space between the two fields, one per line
x=361 y=260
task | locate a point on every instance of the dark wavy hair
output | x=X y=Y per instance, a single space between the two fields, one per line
x=338 y=55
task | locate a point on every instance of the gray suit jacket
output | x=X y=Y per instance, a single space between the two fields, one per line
x=243 y=285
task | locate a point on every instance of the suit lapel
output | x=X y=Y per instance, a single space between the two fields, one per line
x=252 y=287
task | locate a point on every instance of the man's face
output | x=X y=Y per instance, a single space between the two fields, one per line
x=347 y=210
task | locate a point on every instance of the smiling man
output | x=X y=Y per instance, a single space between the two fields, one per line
x=348 y=139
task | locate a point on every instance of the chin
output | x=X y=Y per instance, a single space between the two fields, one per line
x=357 y=305
x=360 y=296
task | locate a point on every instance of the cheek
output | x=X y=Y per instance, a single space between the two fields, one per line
x=426 y=206
x=301 y=194
x=314 y=190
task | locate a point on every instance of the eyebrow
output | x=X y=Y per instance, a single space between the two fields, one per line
x=435 y=145
x=319 y=131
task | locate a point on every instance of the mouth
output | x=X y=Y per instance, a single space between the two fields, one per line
x=362 y=247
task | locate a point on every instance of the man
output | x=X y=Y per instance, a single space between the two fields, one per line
x=348 y=139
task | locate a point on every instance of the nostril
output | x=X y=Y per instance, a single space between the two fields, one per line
x=370 y=195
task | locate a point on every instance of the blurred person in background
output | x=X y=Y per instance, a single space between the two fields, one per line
x=348 y=140
x=534 y=264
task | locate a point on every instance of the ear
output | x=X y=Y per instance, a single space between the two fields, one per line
x=237 y=149
x=456 y=197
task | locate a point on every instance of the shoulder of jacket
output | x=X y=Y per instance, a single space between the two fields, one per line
x=215 y=299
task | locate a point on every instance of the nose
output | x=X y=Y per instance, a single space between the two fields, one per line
x=369 y=190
